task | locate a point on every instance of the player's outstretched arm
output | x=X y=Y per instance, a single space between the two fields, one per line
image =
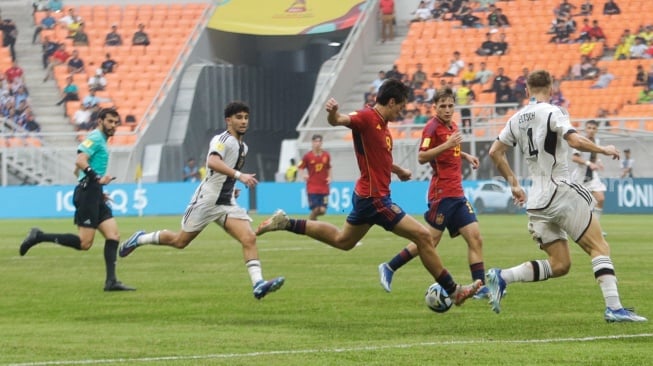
x=498 y=155
x=403 y=174
x=334 y=117
x=582 y=143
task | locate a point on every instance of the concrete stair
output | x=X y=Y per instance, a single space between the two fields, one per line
x=43 y=96
x=382 y=57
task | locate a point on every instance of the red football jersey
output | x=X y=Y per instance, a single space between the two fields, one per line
x=447 y=179
x=373 y=148
x=318 y=167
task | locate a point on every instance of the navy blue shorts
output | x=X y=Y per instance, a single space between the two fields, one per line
x=375 y=211
x=451 y=213
x=317 y=200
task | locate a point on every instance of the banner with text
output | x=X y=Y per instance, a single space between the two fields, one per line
x=125 y=199
x=624 y=196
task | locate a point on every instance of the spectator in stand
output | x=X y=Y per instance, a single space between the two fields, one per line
x=48 y=47
x=556 y=96
x=646 y=33
x=519 y=90
x=411 y=93
x=492 y=17
x=496 y=82
x=48 y=22
x=419 y=77
x=640 y=77
x=500 y=47
x=466 y=16
x=82 y=117
x=469 y=74
x=9 y=34
x=21 y=95
x=584 y=33
x=39 y=5
x=366 y=96
x=440 y=9
x=113 y=38
x=9 y=111
x=590 y=70
x=75 y=64
x=603 y=80
x=141 y=38
x=13 y=72
x=586 y=8
x=597 y=31
x=387 y=10
x=422 y=13
x=487 y=47
x=73 y=27
x=570 y=23
x=561 y=34
x=591 y=48
x=429 y=92
x=565 y=7
x=638 y=50
x=108 y=65
x=369 y=98
x=5 y=97
x=190 y=171
x=496 y=18
x=455 y=65
x=70 y=18
x=92 y=100
x=622 y=50
x=30 y=124
x=645 y=96
x=55 y=5
x=378 y=81
x=59 y=57
x=394 y=73
x=70 y=92
x=408 y=116
x=611 y=8
x=504 y=95
x=97 y=81
x=80 y=38
x=483 y=75
x=420 y=119
x=649 y=77
x=464 y=97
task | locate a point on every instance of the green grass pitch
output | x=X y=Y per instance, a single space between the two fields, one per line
x=195 y=306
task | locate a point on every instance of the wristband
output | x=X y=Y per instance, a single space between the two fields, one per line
x=587 y=162
x=90 y=173
x=237 y=175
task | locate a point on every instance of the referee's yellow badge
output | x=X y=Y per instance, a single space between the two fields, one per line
x=87 y=143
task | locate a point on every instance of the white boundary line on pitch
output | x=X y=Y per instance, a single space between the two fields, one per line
x=327 y=350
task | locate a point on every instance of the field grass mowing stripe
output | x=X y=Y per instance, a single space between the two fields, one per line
x=329 y=350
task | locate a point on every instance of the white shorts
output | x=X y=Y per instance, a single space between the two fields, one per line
x=569 y=212
x=595 y=185
x=200 y=214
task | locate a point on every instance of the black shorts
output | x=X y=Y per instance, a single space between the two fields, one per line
x=90 y=208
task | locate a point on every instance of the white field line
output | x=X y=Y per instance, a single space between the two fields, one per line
x=326 y=350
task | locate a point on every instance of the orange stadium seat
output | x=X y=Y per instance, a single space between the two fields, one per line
x=141 y=70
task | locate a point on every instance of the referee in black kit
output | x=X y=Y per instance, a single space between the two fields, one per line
x=91 y=210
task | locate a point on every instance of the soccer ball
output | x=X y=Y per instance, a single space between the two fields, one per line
x=437 y=298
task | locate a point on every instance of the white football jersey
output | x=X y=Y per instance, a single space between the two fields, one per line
x=538 y=130
x=217 y=187
x=581 y=173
